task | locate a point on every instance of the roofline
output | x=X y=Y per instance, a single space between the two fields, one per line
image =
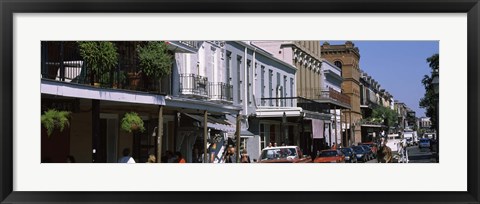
x=265 y=53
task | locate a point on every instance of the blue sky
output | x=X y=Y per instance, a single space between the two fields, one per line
x=399 y=67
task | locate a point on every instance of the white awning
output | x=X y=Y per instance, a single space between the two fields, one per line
x=278 y=112
x=214 y=123
x=88 y=92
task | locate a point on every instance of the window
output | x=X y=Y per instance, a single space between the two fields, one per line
x=284 y=102
x=228 y=77
x=239 y=79
x=262 y=84
x=270 y=86
x=249 y=83
x=291 y=91
x=338 y=64
x=263 y=143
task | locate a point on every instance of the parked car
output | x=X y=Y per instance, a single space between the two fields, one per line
x=283 y=154
x=373 y=148
x=369 y=151
x=330 y=156
x=360 y=153
x=349 y=155
x=424 y=142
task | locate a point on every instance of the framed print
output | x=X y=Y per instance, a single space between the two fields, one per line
x=285 y=80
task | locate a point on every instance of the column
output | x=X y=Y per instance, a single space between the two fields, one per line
x=237 y=135
x=205 y=136
x=160 y=134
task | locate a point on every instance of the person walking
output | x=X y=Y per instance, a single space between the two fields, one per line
x=230 y=157
x=244 y=157
x=126 y=157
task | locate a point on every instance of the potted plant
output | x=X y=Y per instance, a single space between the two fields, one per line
x=119 y=79
x=53 y=119
x=132 y=122
x=100 y=57
x=155 y=61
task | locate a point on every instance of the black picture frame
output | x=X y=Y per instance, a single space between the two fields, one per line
x=10 y=7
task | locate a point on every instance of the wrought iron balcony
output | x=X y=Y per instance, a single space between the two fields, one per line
x=325 y=95
x=220 y=91
x=61 y=61
x=192 y=84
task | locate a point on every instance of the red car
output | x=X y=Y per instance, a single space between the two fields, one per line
x=330 y=156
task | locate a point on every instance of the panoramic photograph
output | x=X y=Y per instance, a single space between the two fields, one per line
x=319 y=101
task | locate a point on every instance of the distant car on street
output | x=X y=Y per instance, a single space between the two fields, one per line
x=360 y=153
x=283 y=154
x=369 y=151
x=330 y=156
x=424 y=143
x=373 y=148
x=349 y=155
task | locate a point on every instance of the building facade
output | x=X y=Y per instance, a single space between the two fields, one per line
x=177 y=109
x=264 y=87
x=318 y=102
x=347 y=57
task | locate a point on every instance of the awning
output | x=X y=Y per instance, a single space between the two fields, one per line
x=246 y=133
x=278 y=112
x=214 y=123
x=74 y=90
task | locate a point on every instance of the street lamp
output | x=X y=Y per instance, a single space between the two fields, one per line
x=435 y=83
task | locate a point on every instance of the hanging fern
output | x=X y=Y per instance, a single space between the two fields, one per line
x=132 y=122
x=53 y=119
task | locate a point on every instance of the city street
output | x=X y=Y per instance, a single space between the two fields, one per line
x=416 y=155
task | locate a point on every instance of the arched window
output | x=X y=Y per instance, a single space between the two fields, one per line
x=338 y=64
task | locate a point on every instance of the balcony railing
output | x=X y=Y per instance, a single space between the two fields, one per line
x=61 y=61
x=324 y=94
x=192 y=84
x=304 y=103
x=220 y=91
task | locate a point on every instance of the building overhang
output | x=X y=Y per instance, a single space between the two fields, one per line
x=214 y=123
x=184 y=46
x=330 y=73
x=278 y=112
x=73 y=90
x=315 y=115
x=200 y=105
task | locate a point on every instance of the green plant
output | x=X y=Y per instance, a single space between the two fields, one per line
x=132 y=122
x=120 y=77
x=155 y=61
x=100 y=56
x=52 y=119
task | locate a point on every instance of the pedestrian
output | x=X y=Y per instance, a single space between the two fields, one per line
x=180 y=158
x=230 y=157
x=269 y=144
x=275 y=144
x=126 y=157
x=151 y=158
x=197 y=158
x=245 y=157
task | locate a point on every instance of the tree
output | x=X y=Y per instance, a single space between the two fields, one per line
x=101 y=57
x=155 y=61
x=386 y=116
x=429 y=100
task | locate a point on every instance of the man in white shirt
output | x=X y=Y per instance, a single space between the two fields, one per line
x=126 y=157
